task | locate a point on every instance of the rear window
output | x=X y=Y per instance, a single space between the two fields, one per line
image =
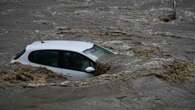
x=97 y=51
x=19 y=54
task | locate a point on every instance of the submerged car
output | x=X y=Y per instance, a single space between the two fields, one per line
x=73 y=59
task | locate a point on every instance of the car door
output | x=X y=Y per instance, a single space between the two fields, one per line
x=46 y=58
x=74 y=65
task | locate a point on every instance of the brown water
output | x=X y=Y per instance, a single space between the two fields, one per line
x=128 y=27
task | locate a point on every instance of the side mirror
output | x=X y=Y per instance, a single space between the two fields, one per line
x=89 y=69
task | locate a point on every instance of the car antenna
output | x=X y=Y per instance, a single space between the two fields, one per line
x=37 y=31
x=42 y=40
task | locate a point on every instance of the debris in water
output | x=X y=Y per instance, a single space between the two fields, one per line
x=18 y=74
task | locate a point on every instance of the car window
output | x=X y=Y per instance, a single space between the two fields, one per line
x=76 y=61
x=45 y=57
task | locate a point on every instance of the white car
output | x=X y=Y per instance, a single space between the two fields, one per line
x=74 y=59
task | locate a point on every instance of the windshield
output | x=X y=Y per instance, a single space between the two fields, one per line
x=97 y=51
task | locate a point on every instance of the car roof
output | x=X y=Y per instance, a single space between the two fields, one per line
x=77 y=46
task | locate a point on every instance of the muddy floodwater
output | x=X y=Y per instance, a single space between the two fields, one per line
x=156 y=70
